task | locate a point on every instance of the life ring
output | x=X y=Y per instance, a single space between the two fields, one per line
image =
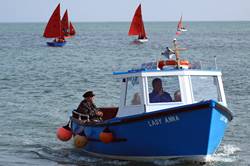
x=171 y=62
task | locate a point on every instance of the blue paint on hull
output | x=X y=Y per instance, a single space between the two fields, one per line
x=168 y=132
x=56 y=44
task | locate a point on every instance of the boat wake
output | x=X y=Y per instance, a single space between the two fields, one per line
x=135 y=42
x=72 y=156
x=226 y=154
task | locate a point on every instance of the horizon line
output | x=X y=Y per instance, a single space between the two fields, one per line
x=129 y=21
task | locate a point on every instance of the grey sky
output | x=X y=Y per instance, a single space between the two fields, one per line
x=123 y=10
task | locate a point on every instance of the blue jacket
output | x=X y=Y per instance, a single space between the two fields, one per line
x=156 y=98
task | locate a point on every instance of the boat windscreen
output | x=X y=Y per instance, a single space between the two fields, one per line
x=205 y=88
x=164 y=89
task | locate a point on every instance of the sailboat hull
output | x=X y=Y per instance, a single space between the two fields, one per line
x=68 y=37
x=191 y=131
x=142 y=40
x=56 y=44
x=182 y=30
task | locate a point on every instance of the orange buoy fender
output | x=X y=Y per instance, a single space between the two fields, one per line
x=106 y=136
x=172 y=62
x=64 y=133
x=169 y=62
x=80 y=141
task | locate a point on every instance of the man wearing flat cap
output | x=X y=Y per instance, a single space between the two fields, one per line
x=88 y=107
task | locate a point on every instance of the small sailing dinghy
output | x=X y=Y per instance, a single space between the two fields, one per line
x=180 y=27
x=187 y=120
x=67 y=27
x=137 y=26
x=54 y=29
x=72 y=30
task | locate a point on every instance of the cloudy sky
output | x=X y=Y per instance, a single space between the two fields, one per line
x=123 y=10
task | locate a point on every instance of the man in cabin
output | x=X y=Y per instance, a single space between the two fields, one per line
x=158 y=94
x=88 y=107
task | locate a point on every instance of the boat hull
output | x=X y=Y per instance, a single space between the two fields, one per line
x=142 y=40
x=183 y=30
x=68 y=37
x=56 y=44
x=192 y=131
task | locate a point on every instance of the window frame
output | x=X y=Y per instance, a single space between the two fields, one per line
x=218 y=88
x=147 y=92
x=140 y=86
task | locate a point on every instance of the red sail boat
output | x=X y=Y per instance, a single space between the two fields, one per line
x=54 y=29
x=180 y=27
x=72 y=31
x=137 y=26
x=67 y=27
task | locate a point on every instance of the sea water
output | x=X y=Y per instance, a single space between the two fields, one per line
x=40 y=85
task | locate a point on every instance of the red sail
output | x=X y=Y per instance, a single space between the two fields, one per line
x=137 y=26
x=65 y=24
x=179 y=26
x=72 y=31
x=53 y=28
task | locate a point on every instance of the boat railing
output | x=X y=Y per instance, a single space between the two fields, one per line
x=80 y=116
x=204 y=65
x=108 y=113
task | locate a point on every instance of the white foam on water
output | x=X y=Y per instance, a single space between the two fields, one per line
x=226 y=153
x=166 y=162
x=116 y=162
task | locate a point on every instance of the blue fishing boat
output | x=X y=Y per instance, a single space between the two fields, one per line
x=189 y=125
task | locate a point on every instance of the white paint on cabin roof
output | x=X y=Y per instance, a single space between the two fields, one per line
x=167 y=73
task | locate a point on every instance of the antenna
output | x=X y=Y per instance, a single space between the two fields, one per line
x=215 y=62
x=201 y=64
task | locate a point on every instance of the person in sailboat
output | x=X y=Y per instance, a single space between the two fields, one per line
x=88 y=107
x=56 y=40
x=59 y=40
x=65 y=32
x=158 y=94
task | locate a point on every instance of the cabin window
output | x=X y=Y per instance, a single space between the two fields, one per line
x=205 y=88
x=133 y=96
x=164 y=89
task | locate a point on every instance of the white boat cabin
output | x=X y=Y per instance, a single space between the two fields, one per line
x=185 y=86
